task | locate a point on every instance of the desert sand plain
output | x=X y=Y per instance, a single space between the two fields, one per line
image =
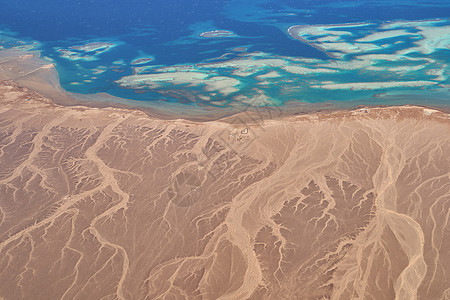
x=111 y=203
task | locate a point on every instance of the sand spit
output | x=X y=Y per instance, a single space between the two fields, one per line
x=113 y=204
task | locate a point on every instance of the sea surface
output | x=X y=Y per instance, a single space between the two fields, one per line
x=234 y=53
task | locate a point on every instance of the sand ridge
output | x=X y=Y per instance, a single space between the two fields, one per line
x=106 y=203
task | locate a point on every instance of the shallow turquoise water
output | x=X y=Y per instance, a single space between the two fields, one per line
x=236 y=70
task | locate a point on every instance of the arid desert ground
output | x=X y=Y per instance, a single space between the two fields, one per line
x=109 y=203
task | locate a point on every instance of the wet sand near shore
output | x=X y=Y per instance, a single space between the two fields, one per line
x=113 y=203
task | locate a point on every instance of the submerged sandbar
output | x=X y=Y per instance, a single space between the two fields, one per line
x=217 y=34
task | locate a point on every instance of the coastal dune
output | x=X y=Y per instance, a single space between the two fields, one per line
x=111 y=203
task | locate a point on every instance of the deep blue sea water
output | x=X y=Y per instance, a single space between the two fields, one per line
x=169 y=32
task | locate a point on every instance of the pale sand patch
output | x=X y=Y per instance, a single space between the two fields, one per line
x=246 y=64
x=99 y=70
x=155 y=80
x=329 y=38
x=306 y=31
x=138 y=70
x=302 y=70
x=349 y=65
x=373 y=85
x=305 y=60
x=439 y=73
x=243 y=73
x=139 y=61
x=392 y=57
x=434 y=38
x=403 y=24
x=224 y=85
x=384 y=35
x=96 y=46
x=403 y=69
x=347 y=47
x=271 y=74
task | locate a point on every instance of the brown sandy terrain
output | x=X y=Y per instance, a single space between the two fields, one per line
x=113 y=204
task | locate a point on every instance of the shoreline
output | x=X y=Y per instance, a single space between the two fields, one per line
x=89 y=178
x=27 y=69
x=247 y=118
